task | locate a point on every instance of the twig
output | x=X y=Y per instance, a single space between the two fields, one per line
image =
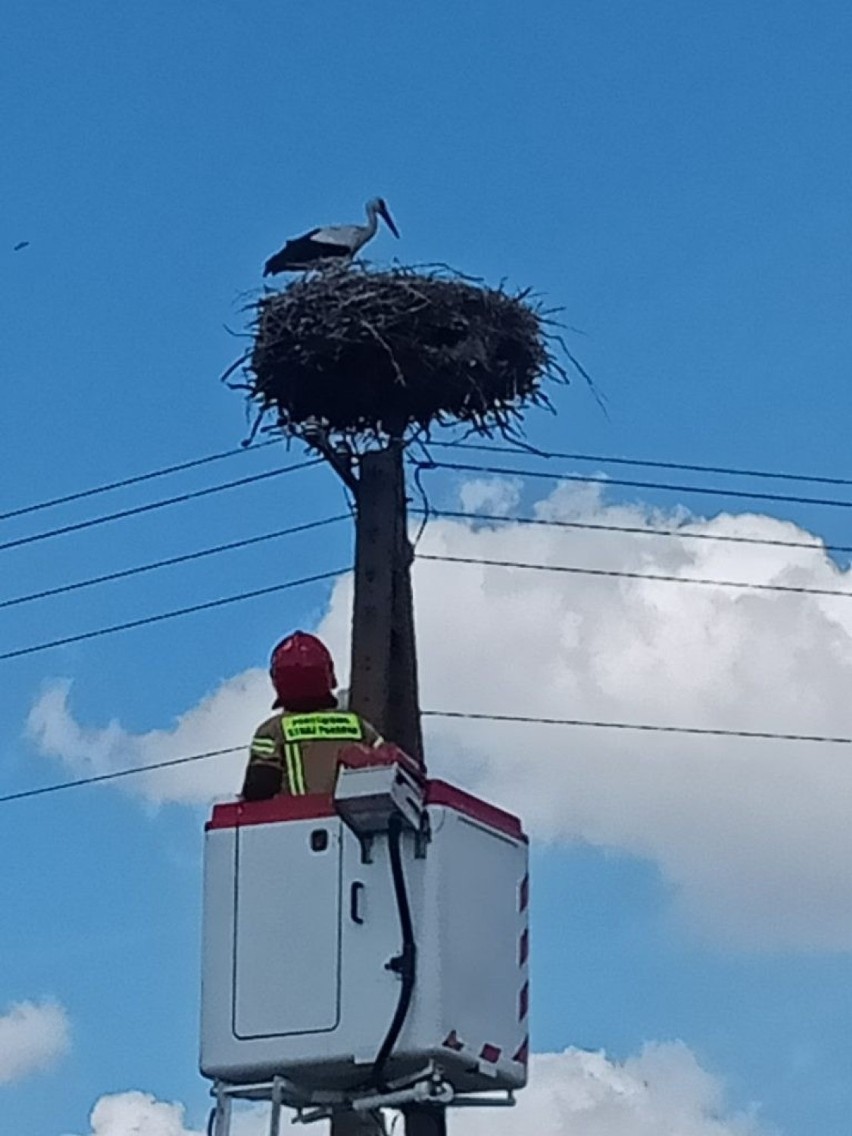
x=235 y=366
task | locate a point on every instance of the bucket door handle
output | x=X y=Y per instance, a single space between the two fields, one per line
x=355 y=902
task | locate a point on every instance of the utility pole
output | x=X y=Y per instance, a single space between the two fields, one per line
x=383 y=685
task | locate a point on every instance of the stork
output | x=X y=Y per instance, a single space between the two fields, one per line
x=336 y=241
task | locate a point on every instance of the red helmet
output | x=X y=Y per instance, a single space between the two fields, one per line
x=302 y=672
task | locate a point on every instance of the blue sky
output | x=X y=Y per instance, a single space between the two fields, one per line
x=676 y=175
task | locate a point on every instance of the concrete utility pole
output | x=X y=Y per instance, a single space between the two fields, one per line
x=383 y=685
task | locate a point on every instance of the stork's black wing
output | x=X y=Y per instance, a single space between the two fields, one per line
x=301 y=252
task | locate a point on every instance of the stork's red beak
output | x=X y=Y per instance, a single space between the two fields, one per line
x=383 y=209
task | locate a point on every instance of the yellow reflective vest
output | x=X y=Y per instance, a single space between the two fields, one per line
x=299 y=753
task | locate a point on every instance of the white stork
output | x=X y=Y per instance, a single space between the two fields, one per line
x=340 y=241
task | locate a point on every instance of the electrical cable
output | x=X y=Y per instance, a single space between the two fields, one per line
x=123 y=574
x=405 y=963
x=622 y=575
x=635 y=530
x=711 y=491
x=645 y=727
x=136 y=480
x=518 y=719
x=490 y=518
x=565 y=569
x=533 y=451
x=96 y=778
x=160 y=617
x=152 y=505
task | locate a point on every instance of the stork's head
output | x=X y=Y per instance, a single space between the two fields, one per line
x=378 y=203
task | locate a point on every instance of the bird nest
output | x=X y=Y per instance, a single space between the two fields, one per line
x=371 y=354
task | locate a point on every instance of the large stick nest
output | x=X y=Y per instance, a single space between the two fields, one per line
x=376 y=353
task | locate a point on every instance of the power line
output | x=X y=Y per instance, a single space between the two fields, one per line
x=731 y=471
x=567 y=569
x=208 y=459
x=57 y=787
x=646 y=727
x=170 y=561
x=152 y=505
x=495 y=518
x=634 y=530
x=571 y=569
x=519 y=719
x=136 y=480
x=175 y=614
x=711 y=491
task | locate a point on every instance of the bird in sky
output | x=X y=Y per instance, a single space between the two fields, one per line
x=340 y=242
x=20 y=245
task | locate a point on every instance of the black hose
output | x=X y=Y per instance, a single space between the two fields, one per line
x=405 y=963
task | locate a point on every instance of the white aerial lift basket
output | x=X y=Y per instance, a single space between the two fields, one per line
x=304 y=959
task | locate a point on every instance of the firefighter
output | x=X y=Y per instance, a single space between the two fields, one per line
x=298 y=750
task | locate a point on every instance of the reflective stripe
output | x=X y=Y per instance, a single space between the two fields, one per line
x=291 y=777
x=327 y=725
x=263 y=745
x=300 y=769
x=295 y=770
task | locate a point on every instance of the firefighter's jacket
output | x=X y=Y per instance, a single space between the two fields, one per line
x=299 y=753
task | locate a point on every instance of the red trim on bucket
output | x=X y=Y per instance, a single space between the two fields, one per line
x=523 y=1054
x=442 y=793
x=451 y=1041
x=236 y=814
x=315 y=806
x=490 y=1053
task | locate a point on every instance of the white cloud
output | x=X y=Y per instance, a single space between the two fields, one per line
x=135 y=1113
x=32 y=1037
x=498 y=496
x=752 y=836
x=663 y=1091
x=138 y=1114
x=223 y=719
